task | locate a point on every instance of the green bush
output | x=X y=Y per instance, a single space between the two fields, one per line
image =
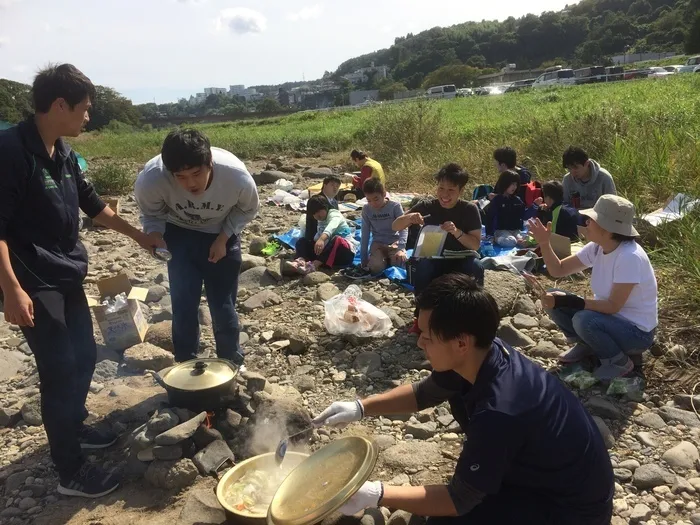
x=112 y=179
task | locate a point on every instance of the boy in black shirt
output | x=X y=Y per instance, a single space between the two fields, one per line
x=459 y=218
x=565 y=219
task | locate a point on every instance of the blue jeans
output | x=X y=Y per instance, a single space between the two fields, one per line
x=426 y=270
x=607 y=335
x=188 y=269
x=64 y=347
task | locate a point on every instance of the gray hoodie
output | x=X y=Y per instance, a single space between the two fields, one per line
x=601 y=183
x=228 y=204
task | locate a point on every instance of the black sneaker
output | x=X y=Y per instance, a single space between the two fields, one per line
x=93 y=438
x=90 y=481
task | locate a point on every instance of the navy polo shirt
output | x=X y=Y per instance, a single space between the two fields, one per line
x=40 y=198
x=524 y=429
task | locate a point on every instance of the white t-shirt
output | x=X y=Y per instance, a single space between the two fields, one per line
x=627 y=264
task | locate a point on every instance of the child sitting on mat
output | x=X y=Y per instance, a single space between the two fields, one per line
x=388 y=246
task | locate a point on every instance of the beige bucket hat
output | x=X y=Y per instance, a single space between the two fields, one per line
x=614 y=214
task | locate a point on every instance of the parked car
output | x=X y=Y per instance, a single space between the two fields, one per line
x=588 y=75
x=613 y=73
x=520 y=85
x=559 y=77
x=690 y=64
x=673 y=69
x=632 y=74
x=697 y=69
x=447 y=91
x=465 y=92
x=658 y=72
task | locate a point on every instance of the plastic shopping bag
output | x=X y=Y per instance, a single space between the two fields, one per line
x=347 y=313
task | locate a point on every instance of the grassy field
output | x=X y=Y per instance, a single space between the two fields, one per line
x=645 y=132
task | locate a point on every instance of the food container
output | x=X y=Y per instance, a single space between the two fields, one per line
x=198 y=384
x=317 y=487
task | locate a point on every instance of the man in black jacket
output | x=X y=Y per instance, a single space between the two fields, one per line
x=43 y=264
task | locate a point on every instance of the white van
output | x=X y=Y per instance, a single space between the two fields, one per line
x=557 y=77
x=448 y=91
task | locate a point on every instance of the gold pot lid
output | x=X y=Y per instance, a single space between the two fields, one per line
x=200 y=374
x=324 y=482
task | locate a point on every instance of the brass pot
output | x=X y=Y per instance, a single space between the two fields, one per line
x=262 y=462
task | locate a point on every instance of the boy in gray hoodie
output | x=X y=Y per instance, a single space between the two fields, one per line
x=388 y=246
x=586 y=181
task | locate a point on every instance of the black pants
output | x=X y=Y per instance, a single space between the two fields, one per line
x=64 y=347
x=188 y=269
x=305 y=249
x=515 y=506
x=426 y=270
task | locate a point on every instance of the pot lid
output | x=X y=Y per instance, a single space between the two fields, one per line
x=324 y=482
x=200 y=374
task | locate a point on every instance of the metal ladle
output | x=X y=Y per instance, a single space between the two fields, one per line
x=281 y=449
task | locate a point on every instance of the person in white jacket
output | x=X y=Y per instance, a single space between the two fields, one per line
x=195 y=200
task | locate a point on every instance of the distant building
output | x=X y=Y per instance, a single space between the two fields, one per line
x=360 y=96
x=362 y=74
x=237 y=91
x=215 y=91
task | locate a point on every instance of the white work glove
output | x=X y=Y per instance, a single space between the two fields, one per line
x=368 y=496
x=340 y=413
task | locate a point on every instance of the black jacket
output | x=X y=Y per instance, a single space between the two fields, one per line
x=504 y=213
x=567 y=223
x=39 y=202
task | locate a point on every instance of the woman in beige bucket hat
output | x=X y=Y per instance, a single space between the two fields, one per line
x=621 y=318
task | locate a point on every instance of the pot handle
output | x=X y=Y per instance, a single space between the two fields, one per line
x=157 y=377
x=214 y=473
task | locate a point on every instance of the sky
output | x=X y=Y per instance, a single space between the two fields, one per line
x=163 y=50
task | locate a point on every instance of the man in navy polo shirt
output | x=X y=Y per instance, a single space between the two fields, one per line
x=532 y=454
x=43 y=264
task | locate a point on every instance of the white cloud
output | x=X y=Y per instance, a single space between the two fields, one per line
x=7 y=3
x=307 y=13
x=193 y=2
x=241 y=20
x=4 y=41
x=20 y=68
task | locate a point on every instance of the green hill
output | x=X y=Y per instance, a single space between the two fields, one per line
x=584 y=33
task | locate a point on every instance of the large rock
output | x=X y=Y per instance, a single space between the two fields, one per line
x=525 y=305
x=261 y=299
x=161 y=335
x=171 y=475
x=422 y=430
x=31 y=411
x=652 y=475
x=161 y=421
x=683 y=456
x=367 y=362
x=315 y=278
x=524 y=321
x=514 y=337
x=105 y=371
x=210 y=458
x=682 y=416
x=255 y=278
x=11 y=362
x=599 y=406
x=268 y=177
x=505 y=287
x=650 y=420
x=251 y=261
x=181 y=432
x=156 y=293
x=257 y=244
x=146 y=356
x=412 y=455
x=318 y=173
x=545 y=349
x=326 y=291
